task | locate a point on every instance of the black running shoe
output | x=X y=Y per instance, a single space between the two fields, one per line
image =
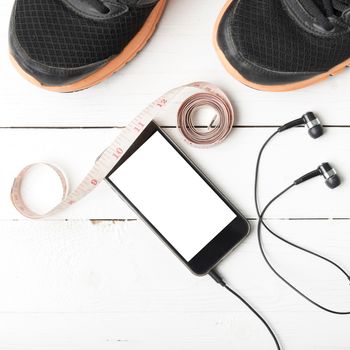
x=281 y=45
x=70 y=45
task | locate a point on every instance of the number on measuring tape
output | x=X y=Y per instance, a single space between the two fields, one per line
x=198 y=94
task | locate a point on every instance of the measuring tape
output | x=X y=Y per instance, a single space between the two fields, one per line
x=189 y=97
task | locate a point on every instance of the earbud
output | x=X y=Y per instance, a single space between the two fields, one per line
x=313 y=125
x=311 y=122
x=332 y=180
x=330 y=175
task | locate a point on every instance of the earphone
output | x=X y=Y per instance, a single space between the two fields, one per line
x=331 y=179
x=311 y=122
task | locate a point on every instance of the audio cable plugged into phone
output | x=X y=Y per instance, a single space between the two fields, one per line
x=332 y=180
x=218 y=279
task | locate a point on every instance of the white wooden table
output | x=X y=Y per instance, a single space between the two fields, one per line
x=96 y=278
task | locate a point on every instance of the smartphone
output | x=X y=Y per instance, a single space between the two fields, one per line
x=171 y=195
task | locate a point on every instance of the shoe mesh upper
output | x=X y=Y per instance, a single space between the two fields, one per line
x=264 y=34
x=52 y=34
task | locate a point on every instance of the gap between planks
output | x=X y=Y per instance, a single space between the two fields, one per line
x=117 y=221
x=162 y=126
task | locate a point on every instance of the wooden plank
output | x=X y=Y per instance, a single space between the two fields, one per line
x=78 y=285
x=80 y=266
x=230 y=166
x=180 y=52
x=187 y=331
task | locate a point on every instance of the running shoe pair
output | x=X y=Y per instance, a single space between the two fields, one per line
x=273 y=45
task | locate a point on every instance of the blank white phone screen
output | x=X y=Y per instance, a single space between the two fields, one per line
x=172 y=196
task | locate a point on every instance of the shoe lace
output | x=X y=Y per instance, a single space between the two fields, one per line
x=323 y=10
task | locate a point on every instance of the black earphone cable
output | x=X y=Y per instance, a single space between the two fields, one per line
x=214 y=274
x=217 y=278
x=276 y=272
x=257 y=169
x=268 y=228
x=262 y=223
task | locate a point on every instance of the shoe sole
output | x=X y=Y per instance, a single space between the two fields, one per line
x=128 y=53
x=273 y=88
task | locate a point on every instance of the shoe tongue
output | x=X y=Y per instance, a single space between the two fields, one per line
x=97 y=9
x=138 y=2
x=320 y=5
x=102 y=5
x=97 y=5
x=337 y=6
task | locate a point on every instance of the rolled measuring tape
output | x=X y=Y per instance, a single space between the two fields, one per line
x=189 y=97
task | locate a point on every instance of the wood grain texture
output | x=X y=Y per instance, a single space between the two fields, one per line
x=94 y=277
x=116 y=285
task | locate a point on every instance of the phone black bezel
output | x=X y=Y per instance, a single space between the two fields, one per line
x=217 y=248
